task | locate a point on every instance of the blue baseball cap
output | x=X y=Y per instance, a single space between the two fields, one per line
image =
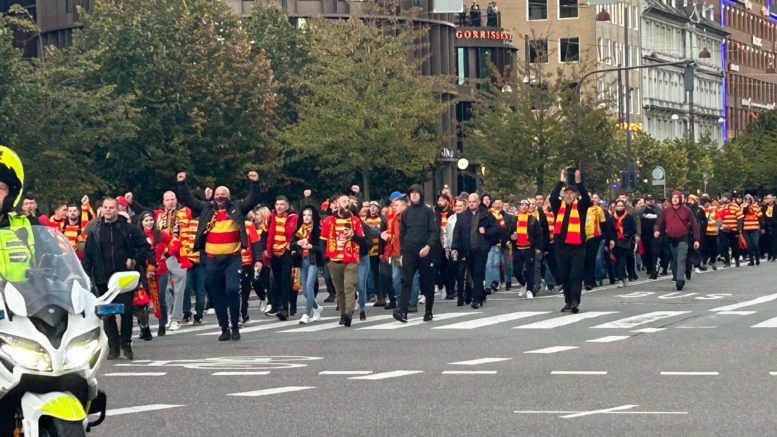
x=395 y=195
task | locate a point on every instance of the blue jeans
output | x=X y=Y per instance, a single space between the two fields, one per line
x=363 y=272
x=308 y=276
x=195 y=282
x=396 y=280
x=752 y=238
x=370 y=285
x=163 y=281
x=492 y=265
x=550 y=281
x=505 y=259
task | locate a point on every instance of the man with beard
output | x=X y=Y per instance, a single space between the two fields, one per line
x=342 y=235
x=77 y=218
x=221 y=234
x=418 y=233
x=446 y=276
x=476 y=232
x=679 y=225
x=648 y=216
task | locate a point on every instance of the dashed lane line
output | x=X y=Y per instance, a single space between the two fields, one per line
x=469 y=372
x=578 y=372
x=689 y=373
x=493 y=320
x=240 y=373
x=386 y=375
x=139 y=409
x=136 y=374
x=270 y=391
x=345 y=372
x=609 y=339
x=736 y=306
x=479 y=361
x=552 y=350
x=631 y=322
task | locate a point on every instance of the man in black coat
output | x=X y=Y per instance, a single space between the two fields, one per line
x=476 y=232
x=220 y=250
x=114 y=246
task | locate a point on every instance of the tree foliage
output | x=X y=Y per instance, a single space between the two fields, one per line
x=368 y=108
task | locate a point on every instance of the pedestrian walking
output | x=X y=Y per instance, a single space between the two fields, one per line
x=680 y=228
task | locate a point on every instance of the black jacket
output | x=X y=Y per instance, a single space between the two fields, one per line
x=648 y=217
x=235 y=210
x=418 y=227
x=100 y=265
x=465 y=221
x=701 y=217
x=533 y=229
x=545 y=228
x=315 y=253
x=629 y=228
x=508 y=229
x=582 y=208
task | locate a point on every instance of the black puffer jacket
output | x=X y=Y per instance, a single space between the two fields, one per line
x=418 y=227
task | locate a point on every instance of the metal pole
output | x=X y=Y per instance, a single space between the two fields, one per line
x=620 y=97
x=629 y=188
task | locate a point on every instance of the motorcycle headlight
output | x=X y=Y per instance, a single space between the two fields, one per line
x=25 y=353
x=81 y=349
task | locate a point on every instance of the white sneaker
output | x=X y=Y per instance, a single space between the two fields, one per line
x=625 y=282
x=439 y=292
x=523 y=289
x=262 y=305
x=317 y=313
x=211 y=311
x=443 y=293
x=174 y=326
x=304 y=320
x=268 y=308
x=521 y=292
x=697 y=270
x=422 y=299
x=529 y=295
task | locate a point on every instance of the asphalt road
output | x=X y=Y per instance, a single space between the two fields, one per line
x=641 y=361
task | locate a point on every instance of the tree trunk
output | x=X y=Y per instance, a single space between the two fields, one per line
x=366 y=183
x=541 y=177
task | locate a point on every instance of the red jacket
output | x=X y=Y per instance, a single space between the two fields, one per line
x=170 y=245
x=291 y=227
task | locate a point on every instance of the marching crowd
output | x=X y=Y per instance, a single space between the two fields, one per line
x=395 y=256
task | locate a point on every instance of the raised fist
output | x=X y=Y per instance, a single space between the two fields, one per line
x=254 y=176
x=85 y=200
x=128 y=197
x=208 y=193
x=181 y=177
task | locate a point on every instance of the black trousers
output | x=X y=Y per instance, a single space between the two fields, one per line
x=524 y=258
x=248 y=282
x=412 y=263
x=376 y=276
x=571 y=267
x=281 y=284
x=446 y=274
x=461 y=284
x=552 y=260
x=591 y=249
x=476 y=265
x=111 y=327
x=387 y=286
x=621 y=256
x=709 y=250
x=730 y=240
x=631 y=261
x=649 y=257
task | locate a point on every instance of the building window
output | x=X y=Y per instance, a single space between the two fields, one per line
x=68 y=6
x=538 y=51
x=567 y=8
x=538 y=9
x=461 y=65
x=569 y=50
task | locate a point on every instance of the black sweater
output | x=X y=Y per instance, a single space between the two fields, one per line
x=582 y=209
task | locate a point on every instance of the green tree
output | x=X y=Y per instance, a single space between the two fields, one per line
x=207 y=97
x=367 y=108
x=748 y=162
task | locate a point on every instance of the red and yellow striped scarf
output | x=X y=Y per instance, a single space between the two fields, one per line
x=522 y=229
x=374 y=222
x=304 y=233
x=619 y=223
x=574 y=236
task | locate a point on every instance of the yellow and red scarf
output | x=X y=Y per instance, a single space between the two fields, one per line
x=619 y=224
x=574 y=235
x=304 y=233
x=522 y=229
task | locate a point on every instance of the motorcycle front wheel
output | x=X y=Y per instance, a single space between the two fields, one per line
x=53 y=427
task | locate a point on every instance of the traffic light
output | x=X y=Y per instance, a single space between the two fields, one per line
x=634 y=178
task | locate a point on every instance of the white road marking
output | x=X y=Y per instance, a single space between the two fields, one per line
x=386 y=375
x=609 y=339
x=315 y=327
x=649 y=330
x=689 y=373
x=268 y=326
x=564 y=320
x=606 y=410
x=479 y=361
x=345 y=372
x=773 y=373
x=737 y=313
x=576 y=372
x=493 y=320
x=418 y=321
x=695 y=327
x=240 y=373
x=631 y=322
x=270 y=391
x=552 y=350
x=748 y=303
x=136 y=374
x=139 y=409
x=771 y=323
x=469 y=372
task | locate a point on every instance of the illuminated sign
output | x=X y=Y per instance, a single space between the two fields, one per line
x=633 y=126
x=757 y=41
x=733 y=67
x=484 y=34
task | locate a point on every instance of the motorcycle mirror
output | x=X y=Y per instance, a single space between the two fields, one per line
x=2 y=314
x=124 y=281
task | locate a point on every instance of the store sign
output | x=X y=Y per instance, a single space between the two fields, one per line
x=748 y=4
x=633 y=126
x=733 y=67
x=757 y=41
x=484 y=34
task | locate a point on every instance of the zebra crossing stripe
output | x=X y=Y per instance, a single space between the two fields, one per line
x=564 y=320
x=416 y=322
x=493 y=320
x=631 y=322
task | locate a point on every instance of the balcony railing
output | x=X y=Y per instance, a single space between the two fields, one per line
x=479 y=18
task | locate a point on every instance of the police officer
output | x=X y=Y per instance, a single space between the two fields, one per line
x=15 y=258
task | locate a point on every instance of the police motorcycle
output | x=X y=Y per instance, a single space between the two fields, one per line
x=52 y=340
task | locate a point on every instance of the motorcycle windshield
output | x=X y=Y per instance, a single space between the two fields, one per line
x=42 y=266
